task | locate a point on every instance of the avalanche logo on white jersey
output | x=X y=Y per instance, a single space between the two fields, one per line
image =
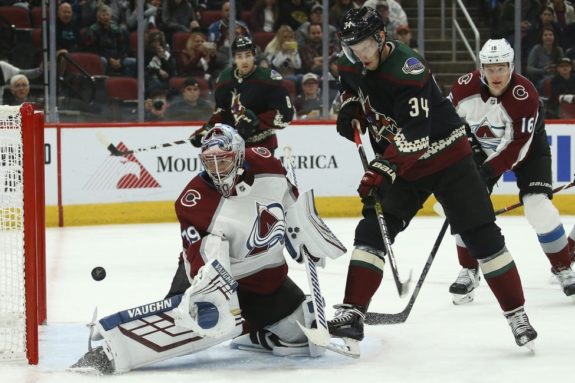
x=487 y=134
x=268 y=230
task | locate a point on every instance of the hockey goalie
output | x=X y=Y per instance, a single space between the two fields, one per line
x=234 y=217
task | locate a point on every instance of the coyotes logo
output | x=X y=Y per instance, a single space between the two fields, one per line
x=381 y=126
x=269 y=228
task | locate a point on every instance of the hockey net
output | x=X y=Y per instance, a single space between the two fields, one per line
x=22 y=238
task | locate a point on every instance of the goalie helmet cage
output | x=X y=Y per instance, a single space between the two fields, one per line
x=22 y=232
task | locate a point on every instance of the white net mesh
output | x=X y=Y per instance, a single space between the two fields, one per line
x=12 y=289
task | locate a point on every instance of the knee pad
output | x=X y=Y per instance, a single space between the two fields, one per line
x=540 y=212
x=484 y=241
x=368 y=233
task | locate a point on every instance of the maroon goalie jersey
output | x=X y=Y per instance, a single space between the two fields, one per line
x=245 y=230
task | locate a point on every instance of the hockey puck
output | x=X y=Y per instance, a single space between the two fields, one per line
x=98 y=273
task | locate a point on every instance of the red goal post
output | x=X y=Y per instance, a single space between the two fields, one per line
x=22 y=232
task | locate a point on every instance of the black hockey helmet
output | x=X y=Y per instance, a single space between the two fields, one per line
x=360 y=24
x=243 y=43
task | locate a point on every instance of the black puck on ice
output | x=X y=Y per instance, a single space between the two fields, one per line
x=98 y=273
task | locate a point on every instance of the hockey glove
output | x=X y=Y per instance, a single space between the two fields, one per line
x=247 y=124
x=198 y=135
x=349 y=112
x=379 y=174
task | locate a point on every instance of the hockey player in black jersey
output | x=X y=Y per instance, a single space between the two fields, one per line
x=421 y=149
x=250 y=98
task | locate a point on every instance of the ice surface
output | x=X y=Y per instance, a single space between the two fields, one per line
x=439 y=342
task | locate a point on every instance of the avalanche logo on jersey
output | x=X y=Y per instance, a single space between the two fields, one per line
x=487 y=134
x=381 y=126
x=268 y=230
x=413 y=66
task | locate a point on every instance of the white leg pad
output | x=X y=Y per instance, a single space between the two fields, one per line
x=148 y=334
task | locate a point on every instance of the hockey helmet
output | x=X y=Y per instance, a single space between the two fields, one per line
x=243 y=43
x=360 y=24
x=497 y=51
x=222 y=155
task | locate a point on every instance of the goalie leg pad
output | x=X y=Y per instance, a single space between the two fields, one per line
x=148 y=334
x=304 y=227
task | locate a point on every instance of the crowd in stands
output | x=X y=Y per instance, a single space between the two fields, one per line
x=547 y=46
x=188 y=40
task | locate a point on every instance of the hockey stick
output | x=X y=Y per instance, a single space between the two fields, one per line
x=400 y=317
x=114 y=151
x=402 y=287
x=312 y=277
x=520 y=203
x=382 y=318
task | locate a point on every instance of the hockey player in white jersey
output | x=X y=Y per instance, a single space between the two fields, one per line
x=233 y=217
x=507 y=132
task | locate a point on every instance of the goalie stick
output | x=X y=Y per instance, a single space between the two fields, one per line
x=114 y=151
x=312 y=277
x=373 y=318
x=402 y=287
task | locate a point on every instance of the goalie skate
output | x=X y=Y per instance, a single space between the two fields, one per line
x=95 y=362
x=463 y=289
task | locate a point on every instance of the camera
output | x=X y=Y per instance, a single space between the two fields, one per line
x=158 y=104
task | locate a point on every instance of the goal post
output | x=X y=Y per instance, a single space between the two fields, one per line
x=22 y=232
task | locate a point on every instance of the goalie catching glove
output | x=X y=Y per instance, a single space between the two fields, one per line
x=379 y=174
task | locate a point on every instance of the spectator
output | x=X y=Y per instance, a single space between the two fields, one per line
x=191 y=106
x=156 y=105
x=339 y=9
x=178 y=16
x=151 y=14
x=564 y=12
x=545 y=20
x=308 y=104
x=293 y=13
x=160 y=64
x=315 y=16
x=264 y=16
x=67 y=30
x=89 y=11
x=218 y=30
x=390 y=25
x=562 y=87
x=7 y=71
x=403 y=34
x=20 y=90
x=200 y=56
x=282 y=53
x=311 y=51
x=530 y=10
x=396 y=13
x=111 y=42
x=543 y=58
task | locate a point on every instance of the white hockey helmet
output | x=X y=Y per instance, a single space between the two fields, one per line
x=497 y=51
x=223 y=153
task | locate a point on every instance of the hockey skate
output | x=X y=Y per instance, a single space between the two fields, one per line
x=522 y=330
x=267 y=342
x=95 y=361
x=463 y=289
x=566 y=279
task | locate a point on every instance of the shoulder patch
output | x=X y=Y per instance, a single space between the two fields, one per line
x=520 y=93
x=261 y=151
x=413 y=66
x=275 y=75
x=190 y=198
x=465 y=79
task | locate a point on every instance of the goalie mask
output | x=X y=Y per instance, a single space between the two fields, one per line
x=359 y=25
x=223 y=152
